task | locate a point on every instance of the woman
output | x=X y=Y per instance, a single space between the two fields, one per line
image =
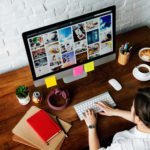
x=137 y=138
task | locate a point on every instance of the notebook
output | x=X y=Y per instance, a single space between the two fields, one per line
x=19 y=140
x=25 y=132
x=43 y=125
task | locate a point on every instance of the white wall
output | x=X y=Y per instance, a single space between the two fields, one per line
x=17 y=16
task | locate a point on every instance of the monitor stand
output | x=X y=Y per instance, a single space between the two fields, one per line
x=71 y=78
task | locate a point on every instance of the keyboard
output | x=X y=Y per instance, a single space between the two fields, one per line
x=80 y=108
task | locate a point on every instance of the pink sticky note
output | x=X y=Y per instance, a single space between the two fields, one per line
x=77 y=70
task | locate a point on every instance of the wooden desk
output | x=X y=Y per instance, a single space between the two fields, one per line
x=96 y=82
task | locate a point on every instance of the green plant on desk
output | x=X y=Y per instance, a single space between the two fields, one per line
x=22 y=91
x=22 y=94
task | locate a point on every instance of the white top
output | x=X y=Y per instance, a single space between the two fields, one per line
x=131 y=139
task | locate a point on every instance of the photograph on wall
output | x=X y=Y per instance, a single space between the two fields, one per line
x=105 y=23
x=40 y=53
x=80 y=46
x=79 y=32
x=66 y=46
x=36 y=42
x=52 y=48
x=50 y=37
x=93 y=49
x=92 y=36
x=106 y=48
x=106 y=36
x=54 y=60
x=92 y=24
x=68 y=59
x=82 y=57
x=40 y=62
x=65 y=34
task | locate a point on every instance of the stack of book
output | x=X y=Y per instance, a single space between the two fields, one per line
x=39 y=130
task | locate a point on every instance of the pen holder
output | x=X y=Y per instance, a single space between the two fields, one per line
x=123 y=58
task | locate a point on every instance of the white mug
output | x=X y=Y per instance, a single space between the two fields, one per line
x=142 y=76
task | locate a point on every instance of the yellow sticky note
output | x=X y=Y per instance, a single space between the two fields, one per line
x=89 y=66
x=50 y=81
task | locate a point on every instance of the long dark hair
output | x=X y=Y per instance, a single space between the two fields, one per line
x=142 y=105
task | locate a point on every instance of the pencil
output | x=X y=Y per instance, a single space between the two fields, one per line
x=59 y=123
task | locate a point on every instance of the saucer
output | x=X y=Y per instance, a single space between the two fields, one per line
x=145 y=57
x=138 y=77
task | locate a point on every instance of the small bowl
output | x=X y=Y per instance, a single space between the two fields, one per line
x=145 y=57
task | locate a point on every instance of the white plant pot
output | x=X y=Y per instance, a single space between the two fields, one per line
x=24 y=101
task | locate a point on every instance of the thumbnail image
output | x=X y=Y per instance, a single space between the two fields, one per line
x=92 y=57
x=80 y=58
x=53 y=48
x=80 y=50
x=65 y=34
x=78 y=32
x=36 y=42
x=105 y=37
x=93 y=36
x=67 y=46
x=54 y=60
x=42 y=70
x=38 y=53
x=92 y=24
x=68 y=59
x=56 y=68
x=40 y=62
x=106 y=48
x=105 y=23
x=93 y=49
x=80 y=46
x=50 y=37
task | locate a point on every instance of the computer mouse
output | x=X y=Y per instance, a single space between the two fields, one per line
x=115 y=84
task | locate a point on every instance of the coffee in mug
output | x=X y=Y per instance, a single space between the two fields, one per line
x=142 y=72
x=143 y=69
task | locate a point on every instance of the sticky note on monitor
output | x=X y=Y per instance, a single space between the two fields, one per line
x=50 y=81
x=89 y=66
x=78 y=70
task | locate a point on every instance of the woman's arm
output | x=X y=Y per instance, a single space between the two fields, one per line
x=93 y=139
x=90 y=120
x=109 y=111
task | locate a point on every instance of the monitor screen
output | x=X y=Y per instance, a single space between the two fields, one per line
x=66 y=44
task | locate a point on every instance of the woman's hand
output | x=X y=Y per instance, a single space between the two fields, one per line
x=89 y=117
x=106 y=110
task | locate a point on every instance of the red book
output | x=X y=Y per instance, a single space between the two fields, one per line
x=43 y=125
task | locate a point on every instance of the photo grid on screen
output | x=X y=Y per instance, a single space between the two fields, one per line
x=75 y=44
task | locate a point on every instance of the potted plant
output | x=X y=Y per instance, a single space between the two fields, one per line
x=22 y=95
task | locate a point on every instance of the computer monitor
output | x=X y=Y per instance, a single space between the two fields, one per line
x=56 y=49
